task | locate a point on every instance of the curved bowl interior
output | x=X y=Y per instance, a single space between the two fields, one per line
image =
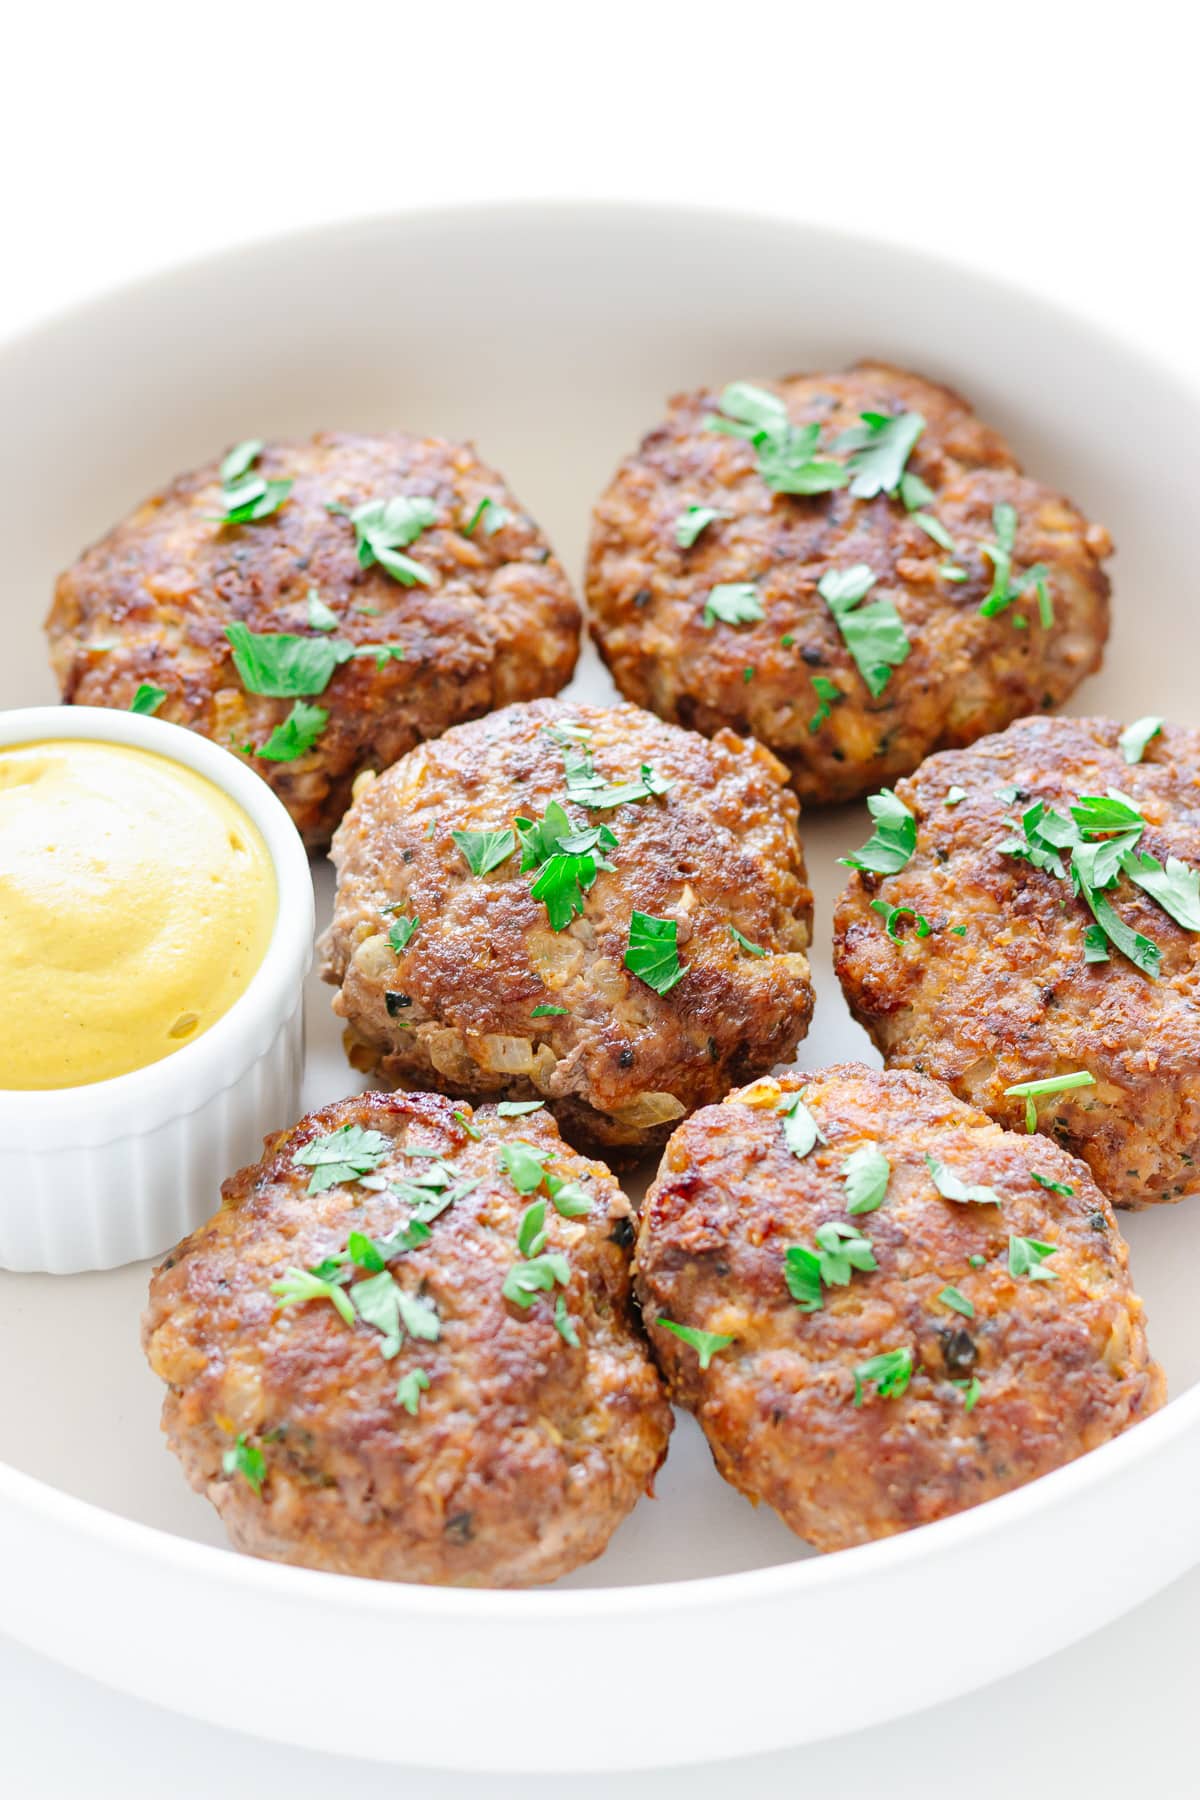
x=550 y=335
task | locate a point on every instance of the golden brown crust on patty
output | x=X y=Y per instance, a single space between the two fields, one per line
x=498 y=624
x=1014 y=1000
x=964 y=675
x=1061 y=1365
x=623 y=1062
x=526 y=1452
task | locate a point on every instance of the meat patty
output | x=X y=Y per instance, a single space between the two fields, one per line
x=480 y=945
x=1034 y=989
x=877 y=625
x=912 y=1311
x=486 y=1414
x=488 y=617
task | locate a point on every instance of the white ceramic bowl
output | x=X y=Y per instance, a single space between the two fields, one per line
x=95 y=1176
x=551 y=335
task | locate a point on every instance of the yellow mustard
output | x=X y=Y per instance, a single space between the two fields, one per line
x=136 y=903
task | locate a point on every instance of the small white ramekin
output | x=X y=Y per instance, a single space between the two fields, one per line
x=119 y=1170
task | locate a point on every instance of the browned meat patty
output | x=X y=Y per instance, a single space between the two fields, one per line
x=1017 y=997
x=476 y=950
x=490 y=618
x=831 y=695
x=877 y=1368
x=487 y=1413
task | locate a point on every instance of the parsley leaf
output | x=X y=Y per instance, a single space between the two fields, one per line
x=1054 y=1187
x=1026 y=1257
x=247 y=1460
x=400 y=935
x=409 y=1389
x=840 y=1250
x=1134 y=739
x=706 y=1344
x=692 y=521
x=297 y=734
x=744 y=943
x=1176 y=888
x=343 y=1155
x=564 y=1324
x=889 y=1373
x=957 y=1302
x=866 y=1173
x=485 y=850
x=531 y=1236
x=828 y=693
x=281 y=664
x=545 y=1011
x=148 y=699
x=933 y=528
x=1054 y=1084
x=516 y=1109
x=522 y=1163
x=1004 y=590
x=952 y=1187
x=891 y=845
x=320 y=616
x=296 y=1287
x=891 y=916
x=733 y=603
x=586 y=788
x=786 y=455
x=526 y=1280
x=420 y=1319
x=384 y=528
x=800 y=1130
x=971 y=1391
x=802 y=1272
x=914 y=492
x=245 y=496
x=378 y=1302
x=955 y=796
x=652 y=952
x=491 y=514
x=881 y=446
x=874 y=635
x=568 y=1197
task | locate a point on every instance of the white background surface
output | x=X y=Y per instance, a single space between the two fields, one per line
x=1054 y=144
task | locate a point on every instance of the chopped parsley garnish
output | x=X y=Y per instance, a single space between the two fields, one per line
x=866 y=1173
x=246 y=496
x=472 y=1131
x=531 y=1236
x=733 y=603
x=1055 y=1187
x=490 y=514
x=567 y=861
x=568 y=1198
x=298 y=1286
x=1026 y=1257
x=320 y=616
x=1054 y=1084
x=706 y=1344
x=1176 y=888
x=526 y=1280
x=840 y=1250
x=801 y=1133
x=976 y=1261
x=1134 y=739
x=952 y=1187
x=401 y=933
x=296 y=735
x=485 y=850
x=787 y=459
x=971 y=1390
x=516 y=1109
x=880 y=446
x=409 y=1389
x=933 y=528
x=892 y=915
x=564 y=1324
x=343 y=1155
x=1005 y=590
x=744 y=943
x=957 y=1302
x=522 y=1163
x=281 y=664
x=652 y=953
x=915 y=493
x=247 y=1460
x=586 y=788
x=955 y=796
x=545 y=1011
x=828 y=693
x=889 y=1374
x=891 y=845
x=148 y=698
x=874 y=635
x=384 y=528
x=692 y=521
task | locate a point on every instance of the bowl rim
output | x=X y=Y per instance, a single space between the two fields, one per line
x=1152 y=1436
x=169 y=1087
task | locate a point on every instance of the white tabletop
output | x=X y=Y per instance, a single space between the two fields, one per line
x=1048 y=142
